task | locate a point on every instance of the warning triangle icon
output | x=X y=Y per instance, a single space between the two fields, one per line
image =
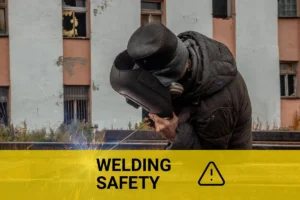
x=211 y=176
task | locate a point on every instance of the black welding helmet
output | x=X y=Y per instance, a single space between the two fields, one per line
x=139 y=87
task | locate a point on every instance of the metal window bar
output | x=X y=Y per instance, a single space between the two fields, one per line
x=4 y=106
x=76 y=104
x=287 y=8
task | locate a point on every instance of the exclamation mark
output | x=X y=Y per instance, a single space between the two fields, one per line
x=211 y=173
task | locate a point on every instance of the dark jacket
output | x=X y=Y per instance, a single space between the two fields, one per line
x=216 y=97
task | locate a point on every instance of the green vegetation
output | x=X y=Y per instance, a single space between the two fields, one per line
x=82 y=132
x=76 y=133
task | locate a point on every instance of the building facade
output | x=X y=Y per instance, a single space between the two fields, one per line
x=55 y=56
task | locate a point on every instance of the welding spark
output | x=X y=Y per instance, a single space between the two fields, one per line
x=59 y=185
x=86 y=166
x=127 y=137
x=42 y=90
x=44 y=185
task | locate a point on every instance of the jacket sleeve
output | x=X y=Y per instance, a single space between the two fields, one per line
x=210 y=131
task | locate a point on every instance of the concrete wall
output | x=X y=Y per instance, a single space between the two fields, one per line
x=35 y=39
x=193 y=15
x=112 y=25
x=258 y=57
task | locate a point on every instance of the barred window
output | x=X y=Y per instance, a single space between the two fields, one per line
x=288 y=79
x=74 y=18
x=4 y=106
x=287 y=8
x=76 y=104
x=3 y=18
x=151 y=11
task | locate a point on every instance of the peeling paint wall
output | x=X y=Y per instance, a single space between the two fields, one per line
x=113 y=21
x=76 y=63
x=69 y=63
x=194 y=15
x=257 y=56
x=35 y=46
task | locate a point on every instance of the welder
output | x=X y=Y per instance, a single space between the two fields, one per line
x=212 y=108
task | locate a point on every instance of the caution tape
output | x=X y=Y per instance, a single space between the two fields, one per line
x=149 y=174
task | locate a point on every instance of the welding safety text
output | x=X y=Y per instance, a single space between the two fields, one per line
x=132 y=165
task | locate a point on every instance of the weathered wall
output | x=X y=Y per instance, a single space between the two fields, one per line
x=4 y=62
x=111 y=26
x=76 y=63
x=35 y=46
x=193 y=15
x=258 y=57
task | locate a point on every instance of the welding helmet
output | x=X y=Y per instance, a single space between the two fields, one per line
x=156 y=49
x=139 y=87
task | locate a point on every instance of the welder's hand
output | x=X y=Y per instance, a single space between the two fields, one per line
x=165 y=126
x=149 y=122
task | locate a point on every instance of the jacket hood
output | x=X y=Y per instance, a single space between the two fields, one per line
x=213 y=63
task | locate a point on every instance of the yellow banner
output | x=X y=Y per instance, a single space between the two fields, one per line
x=149 y=174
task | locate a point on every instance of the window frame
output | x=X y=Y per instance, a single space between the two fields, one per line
x=75 y=98
x=85 y=10
x=285 y=73
x=4 y=6
x=297 y=11
x=7 y=101
x=230 y=10
x=161 y=12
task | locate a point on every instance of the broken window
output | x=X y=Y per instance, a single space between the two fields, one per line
x=4 y=106
x=287 y=8
x=151 y=11
x=288 y=79
x=76 y=104
x=74 y=18
x=2 y=16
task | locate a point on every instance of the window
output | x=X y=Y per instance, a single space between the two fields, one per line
x=222 y=8
x=151 y=11
x=76 y=104
x=288 y=79
x=74 y=18
x=287 y=8
x=4 y=106
x=3 y=17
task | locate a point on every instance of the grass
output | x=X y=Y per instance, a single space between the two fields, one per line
x=76 y=133
x=257 y=125
x=83 y=132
